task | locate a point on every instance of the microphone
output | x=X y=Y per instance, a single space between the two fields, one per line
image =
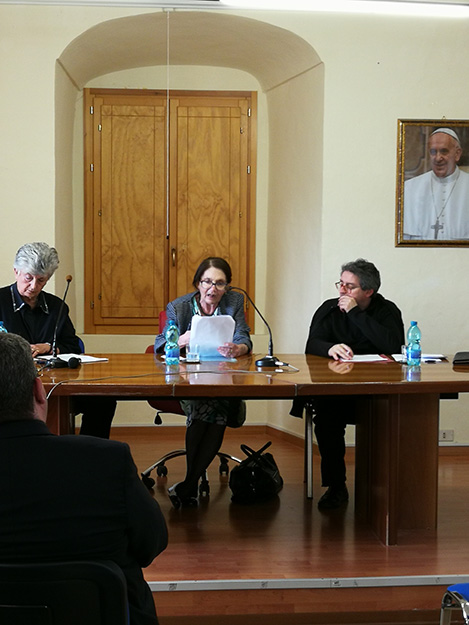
x=55 y=362
x=73 y=362
x=270 y=360
x=58 y=363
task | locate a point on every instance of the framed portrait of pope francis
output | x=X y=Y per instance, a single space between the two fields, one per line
x=432 y=197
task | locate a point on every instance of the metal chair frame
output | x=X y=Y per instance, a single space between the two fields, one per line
x=454 y=599
x=162 y=469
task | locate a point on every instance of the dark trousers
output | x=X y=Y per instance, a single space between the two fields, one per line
x=97 y=415
x=332 y=413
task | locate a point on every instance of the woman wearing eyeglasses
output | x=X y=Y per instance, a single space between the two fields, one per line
x=207 y=418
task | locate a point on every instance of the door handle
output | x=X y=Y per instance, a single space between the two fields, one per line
x=173 y=256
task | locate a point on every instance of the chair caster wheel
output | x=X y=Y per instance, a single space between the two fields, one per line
x=223 y=469
x=204 y=489
x=148 y=481
x=162 y=470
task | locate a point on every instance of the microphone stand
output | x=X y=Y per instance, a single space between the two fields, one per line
x=55 y=362
x=270 y=360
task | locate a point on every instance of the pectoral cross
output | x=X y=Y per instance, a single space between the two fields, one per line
x=436 y=227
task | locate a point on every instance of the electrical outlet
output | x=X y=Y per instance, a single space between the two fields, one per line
x=447 y=435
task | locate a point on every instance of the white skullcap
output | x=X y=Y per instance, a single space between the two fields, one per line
x=447 y=131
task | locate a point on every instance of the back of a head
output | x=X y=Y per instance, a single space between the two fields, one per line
x=17 y=375
x=37 y=258
x=366 y=272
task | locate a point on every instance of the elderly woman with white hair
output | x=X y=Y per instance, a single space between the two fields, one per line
x=26 y=309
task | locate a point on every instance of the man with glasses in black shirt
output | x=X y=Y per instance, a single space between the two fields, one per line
x=359 y=321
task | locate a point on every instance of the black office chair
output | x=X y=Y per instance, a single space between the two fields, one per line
x=172 y=406
x=63 y=593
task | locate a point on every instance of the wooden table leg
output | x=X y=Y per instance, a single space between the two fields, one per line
x=308 y=416
x=397 y=489
x=59 y=417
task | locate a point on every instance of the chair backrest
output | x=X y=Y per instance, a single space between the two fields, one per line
x=63 y=593
x=168 y=406
x=162 y=320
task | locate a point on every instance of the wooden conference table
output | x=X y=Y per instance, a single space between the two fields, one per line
x=396 y=484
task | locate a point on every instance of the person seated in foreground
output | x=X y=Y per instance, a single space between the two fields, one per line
x=26 y=309
x=359 y=321
x=67 y=498
x=207 y=418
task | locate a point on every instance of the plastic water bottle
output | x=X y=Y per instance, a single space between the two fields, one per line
x=171 y=348
x=414 y=350
x=2 y=327
x=414 y=373
x=172 y=374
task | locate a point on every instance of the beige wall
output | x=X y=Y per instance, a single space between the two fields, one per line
x=327 y=162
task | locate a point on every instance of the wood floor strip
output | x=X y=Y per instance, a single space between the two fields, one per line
x=282 y=584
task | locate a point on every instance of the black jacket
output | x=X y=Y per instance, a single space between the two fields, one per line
x=77 y=498
x=38 y=325
x=180 y=310
x=377 y=329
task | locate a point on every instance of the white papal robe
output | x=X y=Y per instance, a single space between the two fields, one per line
x=428 y=198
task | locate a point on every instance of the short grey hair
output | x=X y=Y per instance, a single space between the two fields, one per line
x=37 y=258
x=366 y=272
x=17 y=375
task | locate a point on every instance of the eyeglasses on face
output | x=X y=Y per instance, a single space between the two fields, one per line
x=347 y=286
x=218 y=284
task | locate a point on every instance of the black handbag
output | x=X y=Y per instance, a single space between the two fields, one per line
x=256 y=478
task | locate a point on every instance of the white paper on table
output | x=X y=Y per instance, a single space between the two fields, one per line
x=208 y=333
x=365 y=358
x=425 y=357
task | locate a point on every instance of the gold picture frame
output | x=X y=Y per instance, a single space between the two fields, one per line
x=432 y=195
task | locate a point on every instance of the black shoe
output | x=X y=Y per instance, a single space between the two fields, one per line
x=179 y=501
x=334 y=497
x=174 y=497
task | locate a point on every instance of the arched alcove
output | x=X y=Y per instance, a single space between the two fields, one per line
x=272 y=54
x=290 y=74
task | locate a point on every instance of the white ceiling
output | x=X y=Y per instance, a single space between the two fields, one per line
x=198 y=3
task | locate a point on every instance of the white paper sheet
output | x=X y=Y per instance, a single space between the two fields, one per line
x=365 y=358
x=425 y=357
x=208 y=333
